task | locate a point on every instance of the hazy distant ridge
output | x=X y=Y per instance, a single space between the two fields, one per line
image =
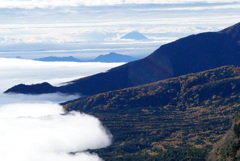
x=108 y=58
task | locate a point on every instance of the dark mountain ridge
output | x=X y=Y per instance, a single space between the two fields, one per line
x=39 y=88
x=233 y=31
x=191 y=54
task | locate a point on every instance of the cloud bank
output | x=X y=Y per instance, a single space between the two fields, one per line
x=16 y=71
x=41 y=132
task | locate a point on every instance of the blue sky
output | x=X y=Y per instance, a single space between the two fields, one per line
x=85 y=29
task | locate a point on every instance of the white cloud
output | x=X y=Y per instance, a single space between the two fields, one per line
x=29 y=110
x=40 y=132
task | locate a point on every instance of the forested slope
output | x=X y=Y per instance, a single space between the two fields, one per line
x=178 y=118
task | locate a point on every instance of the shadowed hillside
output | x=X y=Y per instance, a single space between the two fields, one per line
x=174 y=119
x=191 y=54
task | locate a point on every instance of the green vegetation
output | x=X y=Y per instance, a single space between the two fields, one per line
x=174 y=119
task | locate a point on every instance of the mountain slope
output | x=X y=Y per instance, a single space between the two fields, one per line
x=181 y=115
x=187 y=55
x=233 y=31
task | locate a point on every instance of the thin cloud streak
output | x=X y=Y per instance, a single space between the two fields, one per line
x=56 y=3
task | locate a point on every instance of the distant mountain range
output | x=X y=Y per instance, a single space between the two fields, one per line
x=191 y=54
x=134 y=35
x=108 y=58
x=170 y=120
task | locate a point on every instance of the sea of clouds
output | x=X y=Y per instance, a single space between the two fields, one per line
x=15 y=71
x=35 y=127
